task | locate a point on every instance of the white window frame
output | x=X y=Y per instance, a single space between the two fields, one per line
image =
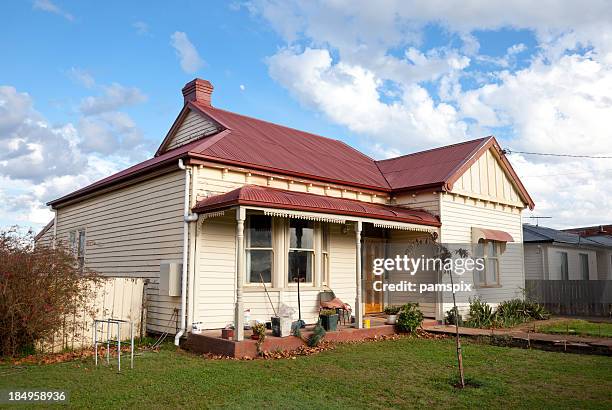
x=561 y=253
x=312 y=251
x=248 y=249
x=483 y=243
x=324 y=271
x=582 y=255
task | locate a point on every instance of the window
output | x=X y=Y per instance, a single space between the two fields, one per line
x=562 y=270
x=301 y=250
x=489 y=251
x=324 y=253
x=584 y=266
x=259 y=249
x=77 y=246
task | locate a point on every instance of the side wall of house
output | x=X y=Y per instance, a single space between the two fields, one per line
x=129 y=232
x=573 y=262
x=534 y=261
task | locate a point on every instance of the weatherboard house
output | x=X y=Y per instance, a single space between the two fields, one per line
x=230 y=203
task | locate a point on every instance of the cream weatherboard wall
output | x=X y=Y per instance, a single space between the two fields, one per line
x=129 y=232
x=216 y=254
x=192 y=127
x=485 y=197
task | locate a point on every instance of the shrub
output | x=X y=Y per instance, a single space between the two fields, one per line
x=317 y=335
x=452 y=317
x=39 y=286
x=410 y=318
x=481 y=314
x=259 y=329
x=392 y=310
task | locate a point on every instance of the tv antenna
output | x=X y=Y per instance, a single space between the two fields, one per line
x=537 y=218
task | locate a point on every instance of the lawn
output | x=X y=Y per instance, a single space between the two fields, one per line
x=396 y=373
x=577 y=327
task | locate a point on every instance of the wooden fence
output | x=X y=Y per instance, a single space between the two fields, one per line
x=119 y=298
x=572 y=297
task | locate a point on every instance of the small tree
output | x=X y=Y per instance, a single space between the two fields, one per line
x=39 y=286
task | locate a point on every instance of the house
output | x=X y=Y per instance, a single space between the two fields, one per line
x=552 y=254
x=229 y=202
x=601 y=234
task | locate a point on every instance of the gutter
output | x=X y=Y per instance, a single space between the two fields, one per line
x=187 y=218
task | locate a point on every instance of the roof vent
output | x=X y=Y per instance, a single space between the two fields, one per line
x=198 y=90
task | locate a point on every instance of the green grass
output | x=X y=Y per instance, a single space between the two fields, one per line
x=578 y=327
x=403 y=373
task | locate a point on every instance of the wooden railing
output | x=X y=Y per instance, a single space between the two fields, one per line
x=572 y=297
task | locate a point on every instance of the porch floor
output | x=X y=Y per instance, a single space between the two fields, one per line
x=210 y=341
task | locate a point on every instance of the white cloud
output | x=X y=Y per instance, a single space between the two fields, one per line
x=49 y=6
x=187 y=53
x=82 y=77
x=364 y=67
x=114 y=96
x=141 y=27
x=40 y=161
x=242 y=87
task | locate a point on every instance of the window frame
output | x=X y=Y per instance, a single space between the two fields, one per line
x=312 y=253
x=483 y=243
x=562 y=264
x=581 y=256
x=248 y=249
x=324 y=271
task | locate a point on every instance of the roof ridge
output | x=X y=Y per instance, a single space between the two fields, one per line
x=435 y=149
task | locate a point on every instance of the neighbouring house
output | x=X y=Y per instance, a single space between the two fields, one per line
x=552 y=254
x=229 y=202
x=601 y=234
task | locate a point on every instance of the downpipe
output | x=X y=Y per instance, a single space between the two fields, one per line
x=187 y=218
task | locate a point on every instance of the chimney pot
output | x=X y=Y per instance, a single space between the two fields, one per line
x=198 y=90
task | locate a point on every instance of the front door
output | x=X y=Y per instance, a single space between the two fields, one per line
x=372 y=248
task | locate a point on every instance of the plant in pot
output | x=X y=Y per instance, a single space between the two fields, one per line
x=391 y=311
x=259 y=331
x=329 y=319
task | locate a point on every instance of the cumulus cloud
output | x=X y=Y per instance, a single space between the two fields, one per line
x=186 y=52
x=113 y=97
x=40 y=161
x=369 y=69
x=49 y=6
x=141 y=27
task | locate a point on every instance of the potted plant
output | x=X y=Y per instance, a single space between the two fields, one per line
x=259 y=331
x=391 y=311
x=329 y=319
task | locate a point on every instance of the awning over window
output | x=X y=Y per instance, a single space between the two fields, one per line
x=266 y=197
x=490 y=234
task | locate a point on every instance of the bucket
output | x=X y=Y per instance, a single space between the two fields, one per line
x=366 y=323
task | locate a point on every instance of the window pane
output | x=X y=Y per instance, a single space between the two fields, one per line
x=259 y=231
x=563 y=268
x=81 y=251
x=492 y=272
x=324 y=237
x=584 y=266
x=301 y=234
x=491 y=248
x=324 y=267
x=300 y=265
x=259 y=262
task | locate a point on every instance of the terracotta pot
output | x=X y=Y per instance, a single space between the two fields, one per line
x=227 y=333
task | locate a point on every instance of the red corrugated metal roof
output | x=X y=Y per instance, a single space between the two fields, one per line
x=260 y=143
x=428 y=168
x=282 y=199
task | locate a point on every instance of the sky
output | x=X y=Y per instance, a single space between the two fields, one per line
x=87 y=89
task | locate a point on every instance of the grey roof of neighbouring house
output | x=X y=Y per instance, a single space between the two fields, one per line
x=605 y=240
x=532 y=233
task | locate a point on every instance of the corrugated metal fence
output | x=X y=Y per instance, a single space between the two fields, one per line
x=572 y=297
x=120 y=298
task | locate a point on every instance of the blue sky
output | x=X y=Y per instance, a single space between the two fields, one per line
x=88 y=89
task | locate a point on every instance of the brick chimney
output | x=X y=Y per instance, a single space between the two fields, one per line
x=198 y=90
